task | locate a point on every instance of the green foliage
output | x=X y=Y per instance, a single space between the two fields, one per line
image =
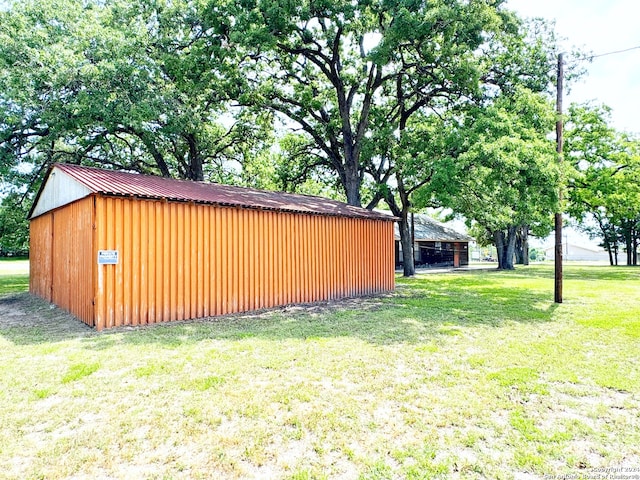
x=299 y=169
x=192 y=88
x=351 y=74
x=502 y=172
x=408 y=144
x=133 y=85
x=536 y=254
x=14 y=226
x=604 y=191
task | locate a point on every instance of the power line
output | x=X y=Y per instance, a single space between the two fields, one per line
x=614 y=52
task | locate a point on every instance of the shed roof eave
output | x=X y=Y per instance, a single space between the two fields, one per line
x=385 y=218
x=127 y=184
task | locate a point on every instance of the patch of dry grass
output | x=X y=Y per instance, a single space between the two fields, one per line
x=475 y=375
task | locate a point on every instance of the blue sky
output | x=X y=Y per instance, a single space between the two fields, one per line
x=599 y=26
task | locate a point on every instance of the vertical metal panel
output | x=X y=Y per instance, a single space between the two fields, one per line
x=270 y=297
x=151 y=256
x=331 y=256
x=277 y=258
x=233 y=256
x=250 y=270
x=347 y=254
x=145 y=247
x=135 y=270
x=118 y=213
x=192 y=243
x=312 y=260
x=183 y=260
x=127 y=273
x=99 y=238
x=306 y=259
x=259 y=250
x=180 y=264
x=200 y=262
x=298 y=255
x=186 y=247
x=204 y=259
x=287 y=258
x=244 y=265
x=72 y=259
x=219 y=245
x=40 y=256
x=61 y=258
x=196 y=272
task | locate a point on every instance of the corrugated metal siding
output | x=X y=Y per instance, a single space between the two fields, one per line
x=40 y=256
x=62 y=258
x=185 y=260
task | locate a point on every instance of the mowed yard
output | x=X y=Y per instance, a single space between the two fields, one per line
x=465 y=375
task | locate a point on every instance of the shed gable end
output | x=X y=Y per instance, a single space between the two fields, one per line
x=59 y=189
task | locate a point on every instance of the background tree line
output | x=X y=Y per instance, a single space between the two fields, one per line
x=413 y=104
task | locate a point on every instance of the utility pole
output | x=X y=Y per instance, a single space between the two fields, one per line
x=558 y=217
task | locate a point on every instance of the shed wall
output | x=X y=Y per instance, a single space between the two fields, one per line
x=61 y=246
x=182 y=260
x=40 y=256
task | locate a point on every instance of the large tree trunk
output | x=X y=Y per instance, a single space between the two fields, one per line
x=505 y=246
x=408 y=262
x=499 y=242
x=511 y=248
x=522 y=245
x=635 y=246
x=607 y=245
x=406 y=239
x=628 y=243
x=352 y=185
x=195 y=168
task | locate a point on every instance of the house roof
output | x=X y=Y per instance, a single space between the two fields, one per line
x=78 y=182
x=428 y=229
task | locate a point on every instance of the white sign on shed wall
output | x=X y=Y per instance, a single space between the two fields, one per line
x=107 y=257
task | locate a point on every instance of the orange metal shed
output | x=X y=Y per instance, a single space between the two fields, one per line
x=116 y=248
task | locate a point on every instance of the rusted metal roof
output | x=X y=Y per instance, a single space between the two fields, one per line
x=111 y=182
x=428 y=229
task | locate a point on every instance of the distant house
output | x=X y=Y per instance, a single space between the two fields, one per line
x=435 y=244
x=574 y=252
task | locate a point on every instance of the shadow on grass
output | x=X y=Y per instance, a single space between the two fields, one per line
x=420 y=310
x=584 y=272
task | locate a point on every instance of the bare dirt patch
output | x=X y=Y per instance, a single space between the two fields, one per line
x=24 y=311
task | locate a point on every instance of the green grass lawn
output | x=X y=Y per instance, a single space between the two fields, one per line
x=466 y=375
x=14 y=275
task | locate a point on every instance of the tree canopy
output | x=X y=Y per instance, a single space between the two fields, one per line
x=340 y=71
x=505 y=175
x=122 y=84
x=308 y=95
x=604 y=192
